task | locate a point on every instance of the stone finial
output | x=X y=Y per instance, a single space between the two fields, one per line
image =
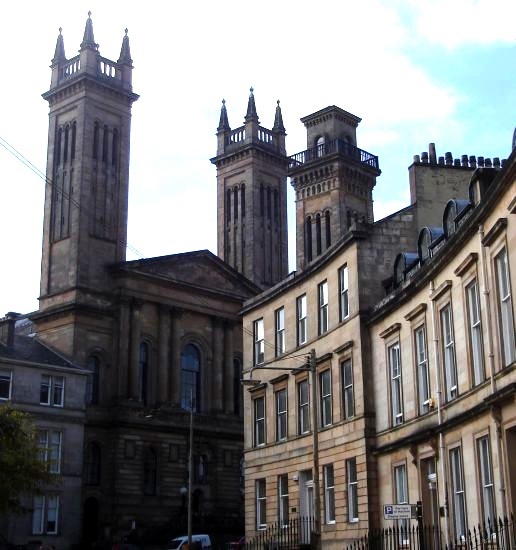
x=125 y=51
x=88 y=41
x=223 y=121
x=59 y=53
x=278 y=120
x=252 y=115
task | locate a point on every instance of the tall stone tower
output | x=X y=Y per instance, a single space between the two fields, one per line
x=85 y=219
x=252 y=197
x=333 y=181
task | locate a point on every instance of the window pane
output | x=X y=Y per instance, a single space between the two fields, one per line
x=37 y=515
x=52 y=514
x=343 y=293
x=505 y=308
x=5 y=385
x=44 y=396
x=351 y=472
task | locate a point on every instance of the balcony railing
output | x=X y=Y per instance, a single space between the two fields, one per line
x=340 y=146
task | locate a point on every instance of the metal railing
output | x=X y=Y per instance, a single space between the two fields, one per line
x=498 y=535
x=294 y=534
x=329 y=148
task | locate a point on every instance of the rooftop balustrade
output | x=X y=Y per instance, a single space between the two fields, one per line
x=263 y=136
x=340 y=146
x=105 y=69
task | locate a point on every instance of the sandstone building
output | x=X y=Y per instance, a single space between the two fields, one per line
x=358 y=394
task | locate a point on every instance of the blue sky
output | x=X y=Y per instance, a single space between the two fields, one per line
x=415 y=72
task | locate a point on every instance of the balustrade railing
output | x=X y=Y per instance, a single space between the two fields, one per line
x=331 y=147
x=106 y=68
x=71 y=68
x=264 y=136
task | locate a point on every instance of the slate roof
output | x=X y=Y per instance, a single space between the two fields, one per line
x=29 y=348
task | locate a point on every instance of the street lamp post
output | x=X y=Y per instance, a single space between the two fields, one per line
x=190 y=476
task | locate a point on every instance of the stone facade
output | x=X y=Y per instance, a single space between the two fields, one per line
x=349 y=311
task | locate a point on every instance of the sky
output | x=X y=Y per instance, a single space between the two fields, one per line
x=415 y=71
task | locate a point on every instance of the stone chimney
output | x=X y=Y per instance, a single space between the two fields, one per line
x=7 y=328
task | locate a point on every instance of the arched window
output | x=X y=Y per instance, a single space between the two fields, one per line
x=318 y=233
x=105 y=144
x=66 y=138
x=150 y=471
x=74 y=139
x=143 y=372
x=308 y=238
x=237 y=387
x=95 y=140
x=242 y=200
x=92 y=464
x=328 y=228
x=114 y=151
x=319 y=144
x=92 y=386
x=190 y=378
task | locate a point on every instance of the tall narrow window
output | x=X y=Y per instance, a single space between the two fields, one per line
x=261 y=504
x=92 y=389
x=343 y=293
x=259 y=421
x=303 y=405
x=66 y=143
x=74 y=140
x=401 y=497
x=308 y=239
x=283 y=500
x=276 y=206
x=329 y=494
x=144 y=372
x=262 y=200
x=59 y=146
x=92 y=464
x=259 y=342
x=105 y=144
x=458 y=495
x=281 y=415
x=96 y=130
x=352 y=487
x=49 y=449
x=318 y=233
x=45 y=515
x=228 y=205
x=348 y=399
x=52 y=390
x=242 y=200
x=486 y=479
x=269 y=203
x=322 y=291
x=190 y=378
x=114 y=150
x=279 y=317
x=395 y=384
x=325 y=397
x=423 y=383
x=328 y=228
x=505 y=308
x=475 y=333
x=301 y=320
x=448 y=351
x=150 y=470
x=235 y=203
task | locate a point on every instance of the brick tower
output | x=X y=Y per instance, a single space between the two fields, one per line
x=333 y=180
x=85 y=218
x=251 y=197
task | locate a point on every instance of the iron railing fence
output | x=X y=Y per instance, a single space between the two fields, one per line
x=294 y=534
x=496 y=535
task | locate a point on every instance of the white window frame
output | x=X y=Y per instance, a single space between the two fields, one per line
x=259 y=421
x=325 y=398
x=505 y=312
x=302 y=317
x=475 y=332
x=322 y=292
x=352 y=489
x=281 y=414
x=50 y=449
x=343 y=293
x=485 y=478
x=448 y=351
x=259 y=341
x=55 y=390
x=283 y=500
x=6 y=379
x=329 y=493
x=279 y=321
x=423 y=378
x=303 y=406
x=45 y=515
x=401 y=496
x=348 y=392
x=261 y=504
x=395 y=383
x=458 y=493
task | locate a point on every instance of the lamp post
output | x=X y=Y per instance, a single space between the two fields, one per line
x=190 y=475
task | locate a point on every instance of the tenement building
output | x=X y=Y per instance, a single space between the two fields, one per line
x=159 y=338
x=382 y=371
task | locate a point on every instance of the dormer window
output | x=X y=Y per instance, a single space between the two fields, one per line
x=449 y=219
